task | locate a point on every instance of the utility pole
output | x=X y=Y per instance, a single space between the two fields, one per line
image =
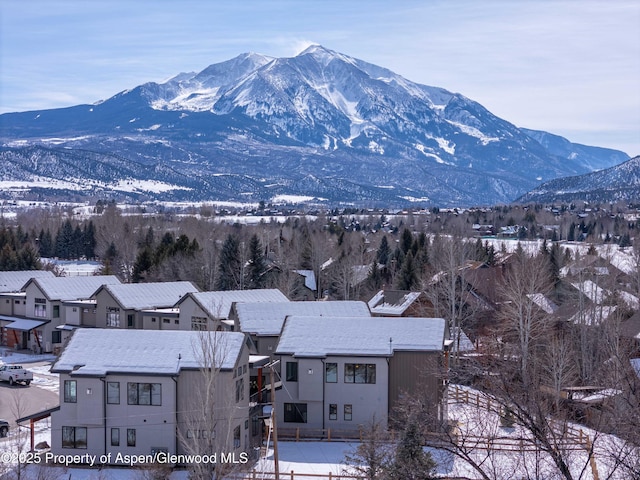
x=274 y=423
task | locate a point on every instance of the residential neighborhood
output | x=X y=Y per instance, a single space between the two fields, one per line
x=457 y=338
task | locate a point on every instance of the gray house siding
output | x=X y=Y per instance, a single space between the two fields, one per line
x=364 y=401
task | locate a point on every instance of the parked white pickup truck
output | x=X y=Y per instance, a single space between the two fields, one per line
x=15 y=374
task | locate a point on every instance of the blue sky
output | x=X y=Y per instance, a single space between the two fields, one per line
x=567 y=67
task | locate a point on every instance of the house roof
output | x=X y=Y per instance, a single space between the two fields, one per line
x=545 y=303
x=591 y=290
x=309 y=279
x=218 y=304
x=359 y=336
x=392 y=302
x=72 y=288
x=14 y=281
x=96 y=351
x=593 y=316
x=267 y=319
x=137 y=296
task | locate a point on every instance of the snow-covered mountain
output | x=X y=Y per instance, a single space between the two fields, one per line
x=320 y=124
x=618 y=183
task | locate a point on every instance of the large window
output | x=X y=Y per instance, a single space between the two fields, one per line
x=359 y=373
x=40 y=307
x=113 y=392
x=199 y=323
x=74 y=437
x=56 y=311
x=292 y=372
x=115 y=437
x=130 y=321
x=331 y=372
x=295 y=412
x=131 y=437
x=144 y=394
x=70 y=391
x=56 y=336
x=113 y=317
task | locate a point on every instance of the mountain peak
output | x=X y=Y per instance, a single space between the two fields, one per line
x=316 y=48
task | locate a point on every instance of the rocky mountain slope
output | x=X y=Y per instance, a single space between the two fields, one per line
x=320 y=124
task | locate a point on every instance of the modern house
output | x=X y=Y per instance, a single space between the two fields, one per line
x=136 y=392
x=342 y=372
x=13 y=300
x=54 y=306
x=121 y=306
x=263 y=321
x=211 y=310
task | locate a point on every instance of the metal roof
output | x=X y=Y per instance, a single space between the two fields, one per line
x=359 y=336
x=13 y=281
x=138 y=296
x=267 y=319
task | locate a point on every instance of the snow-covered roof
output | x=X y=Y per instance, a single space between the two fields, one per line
x=461 y=342
x=359 y=336
x=546 y=304
x=96 y=351
x=138 y=296
x=591 y=290
x=593 y=316
x=267 y=319
x=218 y=304
x=631 y=300
x=381 y=304
x=14 y=281
x=309 y=279
x=72 y=288
x=25 y=324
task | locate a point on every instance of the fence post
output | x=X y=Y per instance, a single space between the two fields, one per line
x=297 y=434
x=330 y=476
x=292 y=476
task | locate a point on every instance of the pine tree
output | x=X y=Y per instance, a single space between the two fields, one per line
x=406 y=240
x=257 y=266
x=229 y=269
x=89 y=241
x=64 y=239
x=411 y=462
x=144 y=262
x=384 y=251
x=408 y=277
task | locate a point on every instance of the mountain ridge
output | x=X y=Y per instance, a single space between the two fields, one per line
x=321 y=115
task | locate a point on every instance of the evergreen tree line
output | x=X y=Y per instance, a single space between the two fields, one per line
x=17 y=251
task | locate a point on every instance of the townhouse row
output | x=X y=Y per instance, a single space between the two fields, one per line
x=162 y=367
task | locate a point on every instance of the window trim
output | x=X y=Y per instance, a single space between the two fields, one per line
x=353 y=373
x=75 y=443
x=70 y=391
x=299 y=417
x=291 y=372
x=153 y=397
x=115 y=437
x=110 y=400
x=326 y=372
x=348 y=412
x=333 y=411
